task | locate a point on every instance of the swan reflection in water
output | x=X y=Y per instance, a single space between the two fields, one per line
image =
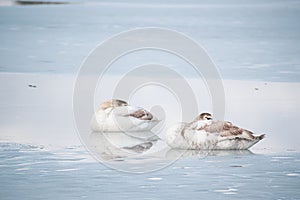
x=122 y=146
x=175 y=153
x=116 y=146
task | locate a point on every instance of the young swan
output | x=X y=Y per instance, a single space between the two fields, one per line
x=117 y=115
x=204 y=133
x=199 y=122
x=112 y=104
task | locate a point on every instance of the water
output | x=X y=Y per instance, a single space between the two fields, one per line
x=40 y=154
x=257 y=40
x=31 y=172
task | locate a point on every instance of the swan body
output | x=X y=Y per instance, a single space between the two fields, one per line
x=205 y=134
x=118 y=116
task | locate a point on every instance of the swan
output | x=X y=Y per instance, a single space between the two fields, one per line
x=205 y=134
x=117 y=116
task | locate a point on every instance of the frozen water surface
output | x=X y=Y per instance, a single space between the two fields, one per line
x=247 y=40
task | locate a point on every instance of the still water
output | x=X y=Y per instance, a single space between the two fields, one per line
x=32 y=172
x=257 y=40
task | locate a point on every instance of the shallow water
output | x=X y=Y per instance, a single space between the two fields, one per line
x=32 y=172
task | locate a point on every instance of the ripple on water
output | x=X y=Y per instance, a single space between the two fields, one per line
x=227 y=191
x=67 y=170
x=146 y=186
x=282 y=157
x=22 y=169
x=292 y=174
x=154 y=178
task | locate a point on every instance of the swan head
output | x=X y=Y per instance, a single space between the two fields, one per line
x=204 y=117
x=113 y=103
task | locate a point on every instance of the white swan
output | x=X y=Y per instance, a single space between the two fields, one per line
x=116 y=115
x=203 y=133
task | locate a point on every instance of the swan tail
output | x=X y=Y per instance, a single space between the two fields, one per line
x=260 y=137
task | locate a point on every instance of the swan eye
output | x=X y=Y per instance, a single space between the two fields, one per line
x=208 y=118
